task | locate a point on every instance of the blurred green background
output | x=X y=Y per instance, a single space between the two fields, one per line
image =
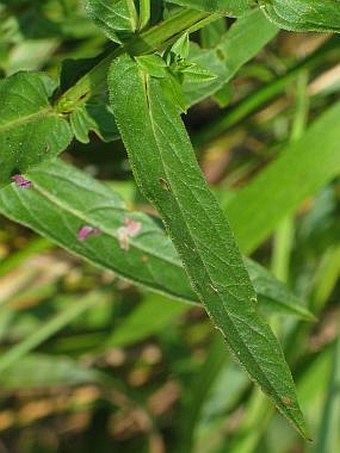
x=93 y=363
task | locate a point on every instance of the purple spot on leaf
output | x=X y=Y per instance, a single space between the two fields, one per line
x=86 y=231
x=21 y=181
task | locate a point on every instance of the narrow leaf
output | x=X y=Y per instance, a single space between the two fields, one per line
x=94 y=116
x=167 y=172
x=30 y=130
x=63 y=200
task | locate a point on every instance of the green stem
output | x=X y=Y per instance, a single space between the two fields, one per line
x=156 y=38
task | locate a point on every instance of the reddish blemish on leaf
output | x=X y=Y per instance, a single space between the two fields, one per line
x=130 y=229
x=21 y=181
x=132 y=226
x=86 y=231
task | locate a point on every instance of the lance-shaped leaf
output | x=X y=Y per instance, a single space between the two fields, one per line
x=167 y=172
x=71 y=208
x=116 y=18
x=231 y=8
x=303 y=15
x=30 y=130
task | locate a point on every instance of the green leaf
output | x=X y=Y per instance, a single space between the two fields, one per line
x=245 y=38
x=63 y=199
x=195 y=73
x=181 y=47
x=116 y=18
x=167 y=172
x=303 y=15
x=314 y=159
x=30 y=130
x=231 y=8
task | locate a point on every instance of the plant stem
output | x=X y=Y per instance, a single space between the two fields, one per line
x=156 y=38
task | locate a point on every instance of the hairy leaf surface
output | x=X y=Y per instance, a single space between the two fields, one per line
x=167 y=172
x=116 y=18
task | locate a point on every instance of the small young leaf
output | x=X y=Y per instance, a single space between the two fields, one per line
x=174 y=92
x=303 y=15
x=116 y=18
x=198 y=228
x=30 y=130
x=181 y=47
x=196 y=73
x=94 y=115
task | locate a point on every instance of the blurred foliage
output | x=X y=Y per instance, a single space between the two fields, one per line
x=132 y=371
